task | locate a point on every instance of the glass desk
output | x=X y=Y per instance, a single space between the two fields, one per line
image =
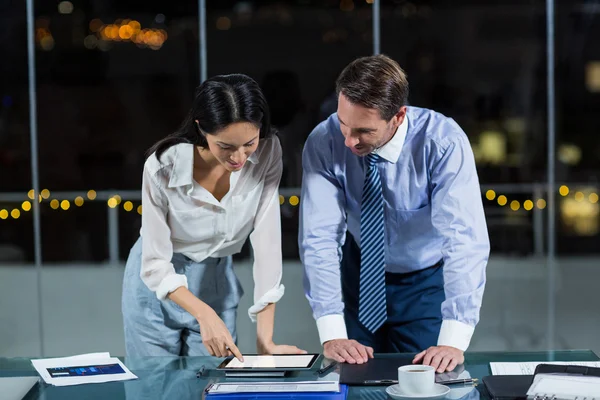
x=175 y=378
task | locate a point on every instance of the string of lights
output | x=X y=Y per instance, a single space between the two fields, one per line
x=115 y=201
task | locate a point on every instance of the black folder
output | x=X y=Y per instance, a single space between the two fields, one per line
x=515 y=387
x=508 y=387
x=383 y=371
x=374 y=371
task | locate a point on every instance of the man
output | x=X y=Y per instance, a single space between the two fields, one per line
x=392 y=231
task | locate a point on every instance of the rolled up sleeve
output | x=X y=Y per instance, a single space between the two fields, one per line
x=157 y=271
x=266 y=238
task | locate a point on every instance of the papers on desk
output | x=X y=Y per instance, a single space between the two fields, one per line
x=263 y=387
x=528 y=368
x=564 y=387
x=84 y=368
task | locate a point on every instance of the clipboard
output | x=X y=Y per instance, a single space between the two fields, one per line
x=341 y=395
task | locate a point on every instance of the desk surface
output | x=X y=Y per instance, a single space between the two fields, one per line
x=175 y=378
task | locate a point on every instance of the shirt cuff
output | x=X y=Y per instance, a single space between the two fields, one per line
x=455 y=334
x=169 y=284
x=331 y=327
x=272 y=296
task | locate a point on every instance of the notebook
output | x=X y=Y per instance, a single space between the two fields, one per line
x=557 y=382
x=564 y=387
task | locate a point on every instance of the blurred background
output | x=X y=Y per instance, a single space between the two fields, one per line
x=112 y=77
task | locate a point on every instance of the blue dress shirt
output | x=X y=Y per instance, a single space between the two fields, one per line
x=433 y=211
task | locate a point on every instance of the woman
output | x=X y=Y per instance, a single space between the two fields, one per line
x=205 y=189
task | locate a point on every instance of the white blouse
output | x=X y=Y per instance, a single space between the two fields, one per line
x=180 y=216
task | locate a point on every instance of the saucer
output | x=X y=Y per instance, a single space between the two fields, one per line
x=396 y=393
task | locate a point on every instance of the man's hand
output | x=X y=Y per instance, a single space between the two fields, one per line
x=344 y=350
x=442 y=358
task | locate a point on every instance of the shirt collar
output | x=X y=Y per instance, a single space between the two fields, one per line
x=392 y=149
x=183 y=165
x=253 y=158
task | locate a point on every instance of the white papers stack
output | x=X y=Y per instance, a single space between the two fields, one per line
x=262 y=387
x=85 y=368
x=528 y=368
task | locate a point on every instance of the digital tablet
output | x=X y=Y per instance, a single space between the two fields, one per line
x=283 y=362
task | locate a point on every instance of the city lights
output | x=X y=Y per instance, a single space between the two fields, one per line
x=223 y=23
x=541 y=204
x=502 y=200
x=577 y=203
x=124 y=31
x=26 y=206
x=65 y=7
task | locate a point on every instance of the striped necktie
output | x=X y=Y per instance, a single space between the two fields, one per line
x=372 y=311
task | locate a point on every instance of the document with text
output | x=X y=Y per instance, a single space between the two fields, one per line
x=528 y=368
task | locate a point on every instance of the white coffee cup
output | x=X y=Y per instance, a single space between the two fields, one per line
x=416 y=379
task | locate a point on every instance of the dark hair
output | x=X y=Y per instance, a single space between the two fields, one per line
x=375 y=82
x=219 y=101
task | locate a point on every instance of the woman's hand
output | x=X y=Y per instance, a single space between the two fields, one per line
x=264 y=333
x=216 y=336
x=272 y=348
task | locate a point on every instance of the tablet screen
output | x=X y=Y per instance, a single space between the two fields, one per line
x=272 y=362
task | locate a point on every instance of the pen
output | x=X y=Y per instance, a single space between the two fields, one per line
x=200 y=372
x=327 y=368
x=393 y=382
x=381 y=382
x=458 y=381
